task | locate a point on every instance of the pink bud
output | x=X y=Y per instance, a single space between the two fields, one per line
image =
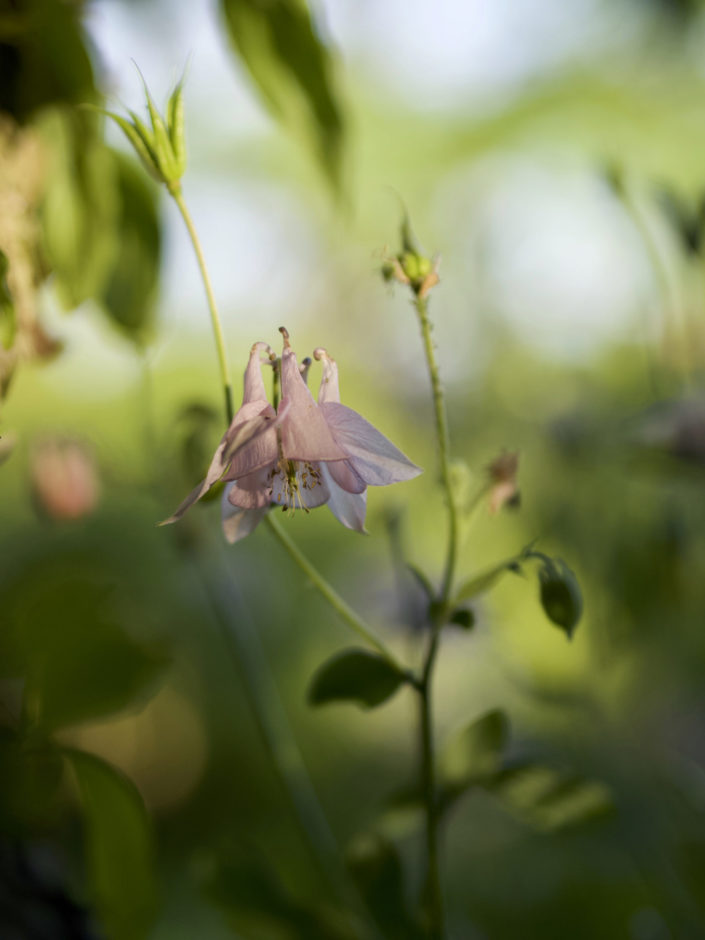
x=64 y=478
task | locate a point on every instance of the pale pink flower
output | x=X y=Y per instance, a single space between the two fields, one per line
x=301 y=456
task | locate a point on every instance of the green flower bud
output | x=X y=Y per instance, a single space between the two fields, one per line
x=162 y=148
x=560 y=593
x=410 y=265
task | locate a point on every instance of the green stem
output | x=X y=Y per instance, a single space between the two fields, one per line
x=433 y=892
x=343 y=609
x=442 y=435
x=434 y=895
x=177 y=195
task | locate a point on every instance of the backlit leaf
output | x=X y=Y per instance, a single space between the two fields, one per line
x=293 y=70
x=355 y=675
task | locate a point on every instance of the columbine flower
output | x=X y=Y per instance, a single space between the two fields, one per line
x=301 y=456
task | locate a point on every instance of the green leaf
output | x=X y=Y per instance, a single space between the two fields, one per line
x=8 y=322
x=30 y=783
x=475 y=753
x=463 y=617
x=355 y=675
x=129 y=292
x=278 y=43
x=44 y=59
x=81 y=208
x=376 y=867
x=7 y=445
x=119 y=847
x=482 y=582
x=61 y=629
x=257 y=904
x=423 y=582
x=548 y=799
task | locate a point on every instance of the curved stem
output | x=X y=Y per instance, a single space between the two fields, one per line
x=342 y=608
x=177 y=195
x=441 y=419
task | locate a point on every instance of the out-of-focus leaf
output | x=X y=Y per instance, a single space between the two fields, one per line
x=482 y=582
x=355 y=675
x=119 y=846
x=43 y=57
x=7 y=445
x=128 y=294
x=475 y=753
x=463 y=617
x=61 y=630
x=8 y=322
x=548 y=799
x=258 y=905
x=376 y=867
x=423 y=582
x=29 y=782
x=293 y=69
x=81 y=210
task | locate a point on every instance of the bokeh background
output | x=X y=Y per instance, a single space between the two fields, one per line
x=553 y=154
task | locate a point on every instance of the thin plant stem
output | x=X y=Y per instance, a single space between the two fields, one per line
x=178 y=198
x=434 y=894
x=341 y=607
x=439 y=408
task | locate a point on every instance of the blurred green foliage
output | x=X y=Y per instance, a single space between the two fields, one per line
x=571 y=775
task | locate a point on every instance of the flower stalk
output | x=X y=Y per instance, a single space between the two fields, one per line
x=177 y=195
x=443 y=438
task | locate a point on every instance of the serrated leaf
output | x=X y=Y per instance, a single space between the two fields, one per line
x=119 y=846
x=355 y=675
x=475 y=752
x=293 y=69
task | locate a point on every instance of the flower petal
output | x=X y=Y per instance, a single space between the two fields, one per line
x=238 y=523
x=304 y=431
x=373 y=456
x=329 y=389
x=345 y=475
x=254 y=389
x=215 y=472
x=253 y=491
x=348 y=508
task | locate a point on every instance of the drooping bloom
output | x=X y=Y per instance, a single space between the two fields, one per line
x=304 y=455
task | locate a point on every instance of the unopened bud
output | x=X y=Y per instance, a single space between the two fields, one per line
x=64 y=478
x=162 y=147
x=561 y=598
